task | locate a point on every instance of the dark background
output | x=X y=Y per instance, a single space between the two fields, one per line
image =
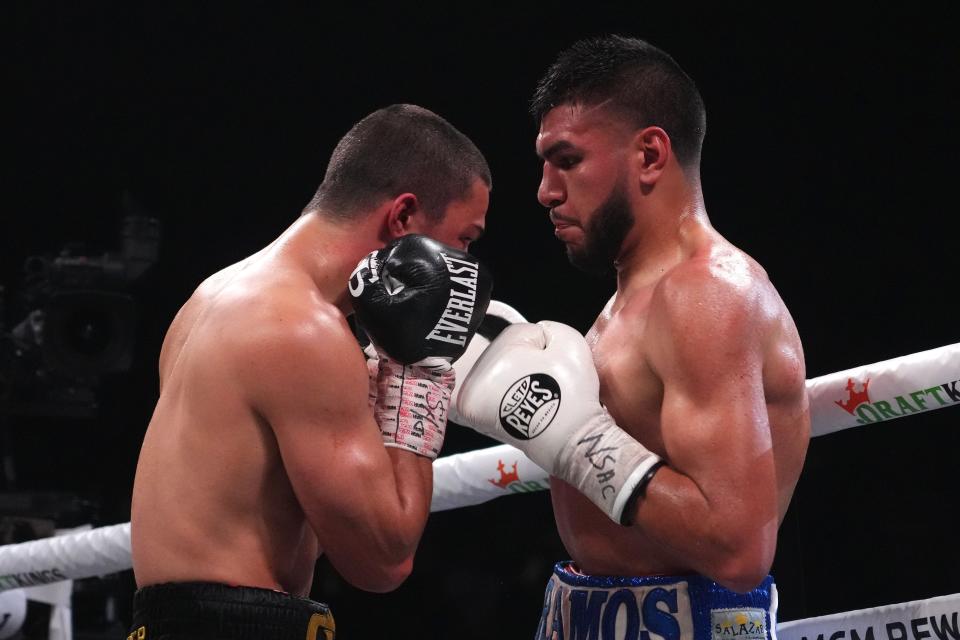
x=830 y=157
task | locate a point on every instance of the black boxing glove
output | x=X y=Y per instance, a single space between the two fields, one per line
x=417 y=298
x=420 y=302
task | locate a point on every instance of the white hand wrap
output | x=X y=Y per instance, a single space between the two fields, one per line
x=373 y=372
x=412 y=404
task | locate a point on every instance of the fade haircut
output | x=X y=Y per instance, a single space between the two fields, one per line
x=643 y=84
x=397 y=149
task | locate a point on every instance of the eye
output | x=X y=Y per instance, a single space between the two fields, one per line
x=566 y=162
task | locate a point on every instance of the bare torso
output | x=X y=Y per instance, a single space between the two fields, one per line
x=211 y=499
x=633 y=392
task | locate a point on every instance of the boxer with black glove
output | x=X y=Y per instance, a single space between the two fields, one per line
x=263 y=452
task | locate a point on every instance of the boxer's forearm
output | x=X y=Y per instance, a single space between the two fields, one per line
x=393 y=548
x=372 y=535
x=729 y=541
x=414 y=485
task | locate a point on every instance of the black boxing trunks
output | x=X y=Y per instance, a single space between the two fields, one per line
x=211 y=611
x=578 y=606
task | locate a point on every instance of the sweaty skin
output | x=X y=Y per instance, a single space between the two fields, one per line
x=262 y=451
x=698 y=359
x=212 y=499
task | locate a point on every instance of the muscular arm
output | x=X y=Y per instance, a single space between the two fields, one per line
x=367 y=505
x=715 y=505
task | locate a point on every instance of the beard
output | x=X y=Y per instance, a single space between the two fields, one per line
x=604 y=234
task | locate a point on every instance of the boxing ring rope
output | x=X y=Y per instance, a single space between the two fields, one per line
x=868 y=394
x=862 y=395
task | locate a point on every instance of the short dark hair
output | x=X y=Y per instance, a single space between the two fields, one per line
x=641 y=81
x=397 y=149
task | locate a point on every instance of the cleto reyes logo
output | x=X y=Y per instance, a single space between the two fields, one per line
x=529 y=406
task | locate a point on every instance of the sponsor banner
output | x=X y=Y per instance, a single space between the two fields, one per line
x=934 y=619
x=882 y=391
x=473 y=477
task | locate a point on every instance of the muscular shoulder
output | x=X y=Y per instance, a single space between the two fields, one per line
x=303 y=364
x=268 y=324
x=715 y=307
x=297 y=332
x=720 y=285
x=259 y=305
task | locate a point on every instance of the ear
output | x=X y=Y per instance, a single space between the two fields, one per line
x=653 y=150
x=403 y=216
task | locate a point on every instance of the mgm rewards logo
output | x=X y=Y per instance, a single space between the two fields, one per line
x=529 y=406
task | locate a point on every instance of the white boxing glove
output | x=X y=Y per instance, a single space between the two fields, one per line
x=499 y=316
x=535 y=387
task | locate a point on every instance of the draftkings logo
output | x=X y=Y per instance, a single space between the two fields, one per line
x=859 y=404
x=31 y=578
x=510 y=480
x=505 y=479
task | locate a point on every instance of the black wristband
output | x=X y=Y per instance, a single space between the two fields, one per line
x=626 y=515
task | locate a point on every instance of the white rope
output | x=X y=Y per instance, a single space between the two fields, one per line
x=894 y=388
x=68 y=557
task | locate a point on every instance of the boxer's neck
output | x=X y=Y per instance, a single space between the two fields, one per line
x=329 y=250
x=659 y=243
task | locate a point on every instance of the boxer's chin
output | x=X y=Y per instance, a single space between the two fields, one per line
x=603 y=235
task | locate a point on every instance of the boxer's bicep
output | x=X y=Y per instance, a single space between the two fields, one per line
x=714 y=417
x=716 y=431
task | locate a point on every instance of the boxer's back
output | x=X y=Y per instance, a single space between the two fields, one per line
x=211 y=499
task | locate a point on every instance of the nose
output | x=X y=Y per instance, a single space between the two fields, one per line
x=550 y=193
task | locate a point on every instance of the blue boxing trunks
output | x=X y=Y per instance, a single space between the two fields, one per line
x=582 y=607
x=212 y=611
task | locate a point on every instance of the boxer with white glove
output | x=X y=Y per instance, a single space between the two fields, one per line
x=535 y=387
x=420 y=302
